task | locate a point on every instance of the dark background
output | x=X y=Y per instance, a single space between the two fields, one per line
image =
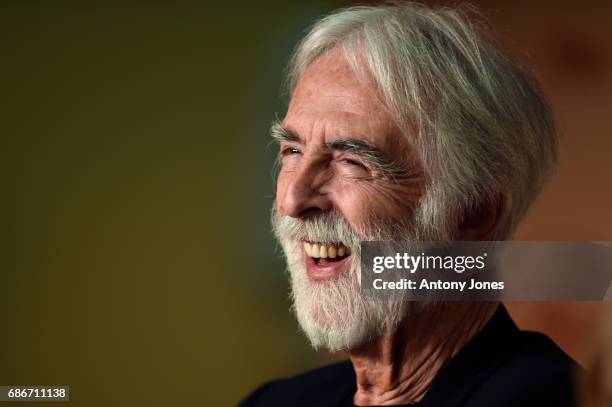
x=137 y=263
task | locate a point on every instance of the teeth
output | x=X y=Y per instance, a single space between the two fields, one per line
x=332 y=252
x=325 y=251
x=315 y=251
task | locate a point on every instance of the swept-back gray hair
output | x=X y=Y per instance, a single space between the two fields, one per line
x=483 y=130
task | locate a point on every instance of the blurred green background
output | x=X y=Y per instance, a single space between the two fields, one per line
x=138 y=265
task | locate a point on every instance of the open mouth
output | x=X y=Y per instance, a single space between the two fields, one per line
x=324 y=254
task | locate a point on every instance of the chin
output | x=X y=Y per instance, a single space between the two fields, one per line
x=327 y=332
x=334 y=315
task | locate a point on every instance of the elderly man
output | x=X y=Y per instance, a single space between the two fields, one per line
x=405 y=123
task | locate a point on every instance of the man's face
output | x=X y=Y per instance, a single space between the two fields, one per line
x=347 y=174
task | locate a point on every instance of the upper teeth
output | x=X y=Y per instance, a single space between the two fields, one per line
x=323 y=251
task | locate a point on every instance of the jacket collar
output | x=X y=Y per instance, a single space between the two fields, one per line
x=492 y=346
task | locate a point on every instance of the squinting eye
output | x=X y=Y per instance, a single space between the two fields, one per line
x=290 y=151
x=355 y=163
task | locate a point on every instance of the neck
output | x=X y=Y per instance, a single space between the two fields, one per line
x=400 y=366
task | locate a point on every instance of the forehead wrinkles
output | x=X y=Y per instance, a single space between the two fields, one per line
x=331 y=101
x=319 y=130
x=333 y=84
x=333 y=124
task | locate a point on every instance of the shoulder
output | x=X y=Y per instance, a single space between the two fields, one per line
x=327 y=384
x=538 y=373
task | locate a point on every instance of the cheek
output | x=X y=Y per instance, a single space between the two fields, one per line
x=360 y=201
x=282 y=181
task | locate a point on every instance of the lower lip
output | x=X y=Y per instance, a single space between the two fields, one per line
x=329 y=271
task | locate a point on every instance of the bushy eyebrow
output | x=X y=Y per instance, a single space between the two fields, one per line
x=281 y=133
x=366 y=151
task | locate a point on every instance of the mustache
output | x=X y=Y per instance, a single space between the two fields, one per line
x=332 y=227
x=327 y=227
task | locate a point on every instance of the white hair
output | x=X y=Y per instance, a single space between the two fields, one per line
x=482 y=128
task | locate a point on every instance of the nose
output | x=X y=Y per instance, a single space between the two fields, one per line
x=303 y=196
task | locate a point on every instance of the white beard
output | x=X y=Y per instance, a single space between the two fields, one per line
x=333 y=313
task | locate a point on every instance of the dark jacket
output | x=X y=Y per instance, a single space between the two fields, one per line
x=500 y=367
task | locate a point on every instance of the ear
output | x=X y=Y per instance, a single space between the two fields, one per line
x=479 y=222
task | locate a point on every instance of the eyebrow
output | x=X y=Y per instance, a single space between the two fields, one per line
x=369 y=153
x=280 y=133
